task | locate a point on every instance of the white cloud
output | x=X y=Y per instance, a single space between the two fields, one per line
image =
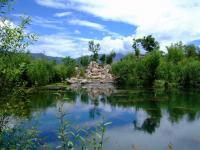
x=86 y=24
x=60 y=45
x=63 y=14
x=60 y=4
x=167 y=20
x=119 y=45
x=66 y=45
x=77 y=32
x=93 y=25
x=54 y=24
x=170 y=20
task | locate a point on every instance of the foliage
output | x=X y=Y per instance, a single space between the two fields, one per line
x=151 y=62
x=180 y=67
x=190 y=73
x=18 y=138
x=175 y=52
x=61 y=72
x=147 y=42
x=191 y=50
x=134 y=71
x=94 y=48
x=70 y=137
x=40 y=72
x=103 y=59
x=126 y=70
x=70 y=64
x=109 y=58
x=84 y=61
x=13 y=42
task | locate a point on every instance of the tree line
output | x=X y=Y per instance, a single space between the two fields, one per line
x=178 y=67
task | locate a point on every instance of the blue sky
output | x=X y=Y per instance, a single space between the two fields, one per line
x=64 y=27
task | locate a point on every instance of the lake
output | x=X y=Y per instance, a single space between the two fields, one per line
x=142 y=119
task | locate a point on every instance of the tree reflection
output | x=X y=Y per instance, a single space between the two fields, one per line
x=149 y=125
x=177 y=104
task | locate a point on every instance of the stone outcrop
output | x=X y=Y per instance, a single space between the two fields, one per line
x=94 y=74
x=97 y=81
x=95 y=71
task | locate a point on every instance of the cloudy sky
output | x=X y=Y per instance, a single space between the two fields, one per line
x=65 y=26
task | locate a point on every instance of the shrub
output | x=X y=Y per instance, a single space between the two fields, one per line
x=126 y=70
x=190 y=73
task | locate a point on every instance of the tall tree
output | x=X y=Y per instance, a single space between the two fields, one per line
x=84 y=61
x=110 y=57
x=147 y=42
x=94 y=48
x=103 y=59
x=70 y=64
x=175 y=52
x=191 y=50
x=13 y=44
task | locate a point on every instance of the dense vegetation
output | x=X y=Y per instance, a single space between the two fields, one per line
x=179 y=67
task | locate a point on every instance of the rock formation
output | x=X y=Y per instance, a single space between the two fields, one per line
x=94 y=74
x=97 y=81
x=95 y=71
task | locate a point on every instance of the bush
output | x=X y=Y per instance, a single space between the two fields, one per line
x=168 y=71
x=40 y=72
x=190 y=73
x=126 y=70
x=70 y=65
x=61 y=72
x=151 y=62
x=175 y=52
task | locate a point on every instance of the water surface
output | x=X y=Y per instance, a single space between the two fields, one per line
x=141 y=119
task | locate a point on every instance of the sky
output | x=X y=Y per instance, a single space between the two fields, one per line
x=64 y=27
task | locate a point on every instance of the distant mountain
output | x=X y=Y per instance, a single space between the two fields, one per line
x=195 y=42
x=58 y=60
x=50 y=58
x=118 y=57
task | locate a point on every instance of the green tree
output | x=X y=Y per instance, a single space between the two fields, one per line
x=61 y=72
x=103 y=59
x=126 y=71
x=147 y=42
x=13 y=44
x=84 y=61
x=40 y=72
x=191 y=50
x=136 y=46
x=94 y=48
x=70 y=64
x=151 y=62
x=168 y=71
x=110 y=57
x=175 y=52
x=190 y=73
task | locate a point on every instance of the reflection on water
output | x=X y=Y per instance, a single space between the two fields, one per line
x=141 y=119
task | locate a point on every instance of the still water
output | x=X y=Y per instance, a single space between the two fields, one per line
x=141 y=119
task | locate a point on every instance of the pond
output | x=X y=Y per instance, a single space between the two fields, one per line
x=141 y=118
